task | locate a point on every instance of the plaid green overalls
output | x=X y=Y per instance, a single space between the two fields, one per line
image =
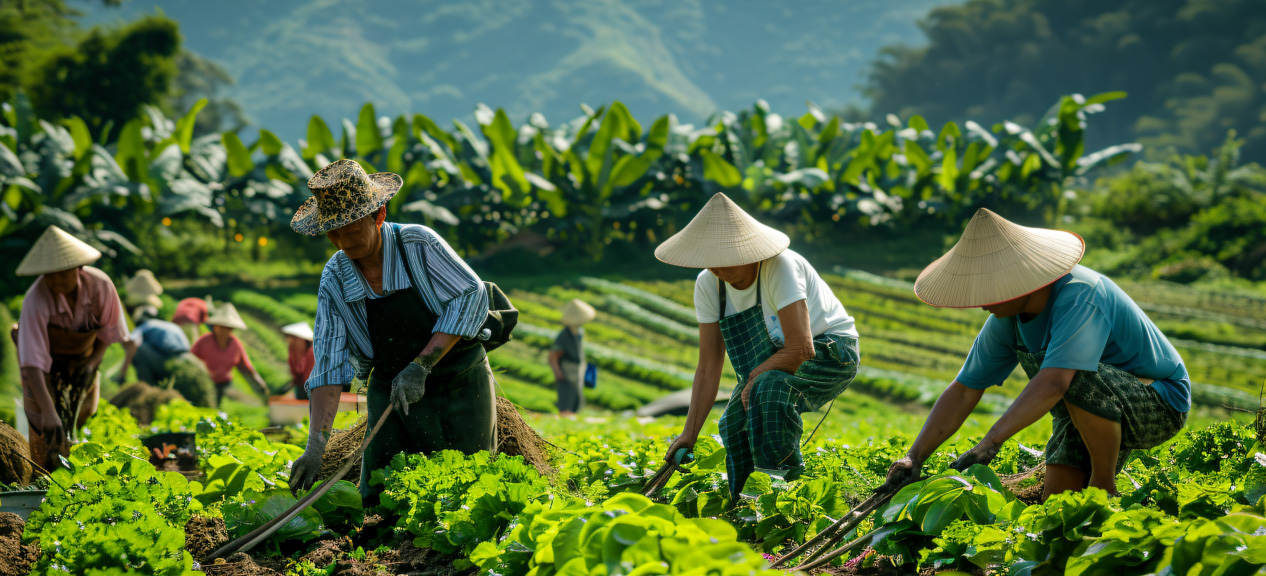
x=768 y=434
x=1146 y=419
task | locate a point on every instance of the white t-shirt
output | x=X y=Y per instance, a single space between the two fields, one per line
x=784 y=280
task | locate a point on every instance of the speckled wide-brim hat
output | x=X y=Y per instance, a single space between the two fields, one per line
x=343 y=193
x=997 y=260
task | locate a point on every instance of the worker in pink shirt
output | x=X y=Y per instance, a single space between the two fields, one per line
x=221 y=351
x=70 y=315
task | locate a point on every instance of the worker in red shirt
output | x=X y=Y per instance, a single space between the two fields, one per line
x=221 y=351
x=299 y=344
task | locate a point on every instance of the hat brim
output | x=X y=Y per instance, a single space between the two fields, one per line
x=687 y=252
x=236 y=325
x=309 y=220
x=938 y=287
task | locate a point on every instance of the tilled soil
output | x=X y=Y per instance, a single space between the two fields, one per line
x=203 y=535
x=238 y=564
x=15 y=559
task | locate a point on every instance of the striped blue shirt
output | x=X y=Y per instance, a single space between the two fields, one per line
x=449 y=287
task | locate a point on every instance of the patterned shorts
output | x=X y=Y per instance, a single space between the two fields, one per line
x=1146 y=419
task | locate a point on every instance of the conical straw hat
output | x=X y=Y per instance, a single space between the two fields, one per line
x=720 y=235
x=298 y=330
x=143 y=288
x=997 y=260
x=55 y=251
x=578 y=313
x=226 y=315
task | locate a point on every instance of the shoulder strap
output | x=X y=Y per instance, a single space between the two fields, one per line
x=404 y=260
x=721 y=291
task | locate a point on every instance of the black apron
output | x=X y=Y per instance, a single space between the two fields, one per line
x=458 y=411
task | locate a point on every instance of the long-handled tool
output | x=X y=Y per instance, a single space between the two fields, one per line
x=245 y=543
x=837 y=531
x=661 y=476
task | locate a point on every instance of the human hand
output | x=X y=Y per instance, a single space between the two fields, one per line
x=303 y=473
x=982 y=453
x=409 y=386
x=902 y=472
x=683 y=441
x=49 y=425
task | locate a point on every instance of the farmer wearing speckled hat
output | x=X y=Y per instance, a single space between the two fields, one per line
x=792 y=344
x=1097 y=363
x=398 y=305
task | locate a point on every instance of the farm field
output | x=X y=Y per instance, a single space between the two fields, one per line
x=467 y=514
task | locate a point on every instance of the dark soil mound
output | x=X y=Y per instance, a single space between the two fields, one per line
x=1019 y=484
x=238 y=564
x=516 y=438
x=15 y=559
x=143 y=400
x=203 y=535
x=14 y=451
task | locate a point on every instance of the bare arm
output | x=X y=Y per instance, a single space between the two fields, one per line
x=948 y=415
x=435 y=350
x=1042 y=393
x=253 y=377
x=555 y=357
x=129 y=352
x=37 y=381
x=707 y=381
x=322 y=406
x=796 y=350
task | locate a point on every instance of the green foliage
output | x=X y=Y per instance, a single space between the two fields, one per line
x=112 y=510
x=239 y=462
x=989 y=60
x=115 y=428
x=83 y=80
x=339 y=509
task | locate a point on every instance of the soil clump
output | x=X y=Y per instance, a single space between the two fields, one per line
x=15 y=558
x=14 y=452
x=238 y=564
x=203 y=535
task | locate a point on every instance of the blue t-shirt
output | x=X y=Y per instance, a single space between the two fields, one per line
x=164 y=337
x=1088 y=321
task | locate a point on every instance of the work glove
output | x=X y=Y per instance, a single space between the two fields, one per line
x=303 y=473
x=409 y=386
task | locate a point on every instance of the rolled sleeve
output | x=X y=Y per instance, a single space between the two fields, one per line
x=461 y=295
x=330 y=348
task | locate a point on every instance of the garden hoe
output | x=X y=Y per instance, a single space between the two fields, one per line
x=245 y=543
x=682 y=456
x=837 y=531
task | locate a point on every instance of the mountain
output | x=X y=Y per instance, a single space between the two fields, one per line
x=442 y=57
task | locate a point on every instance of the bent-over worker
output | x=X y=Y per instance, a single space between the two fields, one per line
x=567 y=357
x=221 y=351
x=300 y=356
x=70 y=315
x=1095 y=362
x=403 y=305
x=792 y=344
x=152 y=347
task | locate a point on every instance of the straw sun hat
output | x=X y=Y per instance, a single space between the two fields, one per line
x=578 y=313
x=226 y=315
x=996 y=261
x=55 y=251
x=343 y=193
x=144 y=288
x=299 y=330
x=721 y=235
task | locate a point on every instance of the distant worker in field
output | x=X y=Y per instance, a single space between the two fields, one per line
x=70 y=315
x=1101 y=368
x=301 y=358
x=567 y=357
x=221 y=351
x=792 y=344
x=190 y=315
x=143 y=289
x=152 y=348
x=403 y=305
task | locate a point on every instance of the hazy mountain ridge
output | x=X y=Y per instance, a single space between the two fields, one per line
x=441 y=57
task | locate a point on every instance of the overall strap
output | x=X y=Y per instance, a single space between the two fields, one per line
x=405 y=261
x=721 y=291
